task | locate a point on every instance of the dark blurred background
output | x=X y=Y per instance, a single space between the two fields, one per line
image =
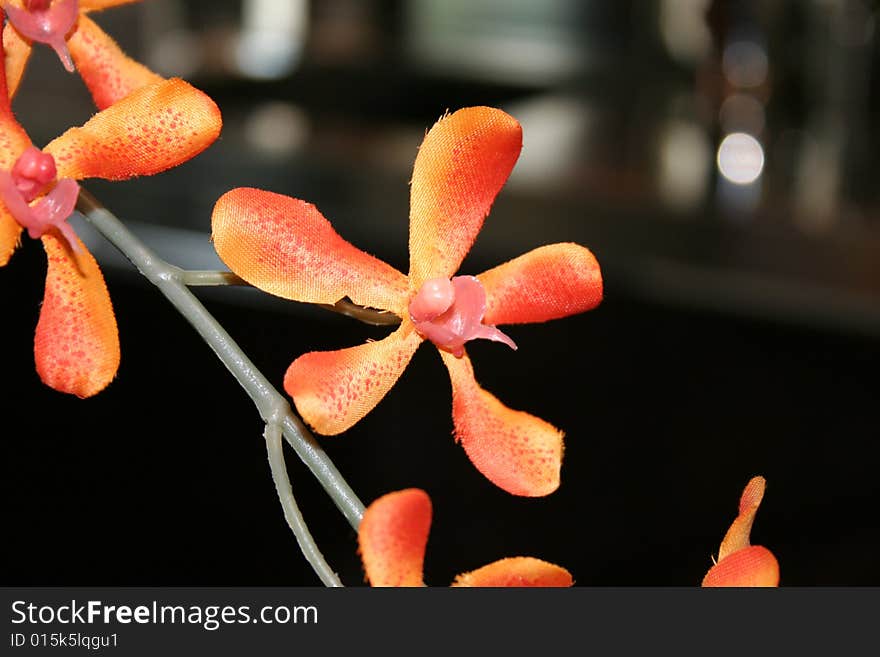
x=718 y=158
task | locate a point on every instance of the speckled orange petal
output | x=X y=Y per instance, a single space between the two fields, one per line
x=109 y=73
x=516 y=571
x=751 y=566
x=98 y=5
x=13 y=139
x=286 y=247
x=518 y=452
x=76 y=344
x=17 y=50
x=392 y=538
x=152 y=129
x=547 y=283
x=10 y=235
x=332 y=390
x=13 y=142
x=461 y=166
x=737 y=536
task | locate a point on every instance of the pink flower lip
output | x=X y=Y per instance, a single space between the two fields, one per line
x=449 y=313
x=47 y=22
x=31 y=174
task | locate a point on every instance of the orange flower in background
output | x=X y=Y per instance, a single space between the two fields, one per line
x=63 y=25
x=284 y=246
x=393 y=535
x=739 y=562
x=76 y=346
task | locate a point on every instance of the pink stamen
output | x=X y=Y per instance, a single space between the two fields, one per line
x=32 y=172
x=432 y=300
x=47 y=22
x=450 y=313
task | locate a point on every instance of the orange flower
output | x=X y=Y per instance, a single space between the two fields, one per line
x=76 y=346
x=739 y=562
x=284 y=246
x=64 y=25
x=393 y=535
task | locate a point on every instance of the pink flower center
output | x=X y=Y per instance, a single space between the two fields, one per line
x=46 y=22
x=33 y=170
x=31 y=174
x=449 y=313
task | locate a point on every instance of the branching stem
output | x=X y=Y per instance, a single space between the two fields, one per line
x=292 y=513
x=272 y=406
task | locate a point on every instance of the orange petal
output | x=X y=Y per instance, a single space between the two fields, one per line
x=737 y=536
x=333 y=390
x=516 y=571
x=13 y=139
x=97 y=5
x=108 y=72
x=461 y=166
x=516 y=451
x=10 y=235
x=751 y=566
x=547 y=283
x=392 y=537
x=77 y=344
x=17 y=50
x=152 y=129
x=286 y=247
x=13 y=142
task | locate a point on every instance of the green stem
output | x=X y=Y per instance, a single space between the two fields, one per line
x=365 y=315
x=291 y=509
x=269 y=402
x=198 y=278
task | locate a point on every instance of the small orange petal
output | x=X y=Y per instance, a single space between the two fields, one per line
x=752 y=495
x=76 y=344
x=10 y=235
x=97 y=5
x=108 y=72
x=516 y=571
x=332 y=390
x=392 y=538
x=461 y=166
x=737 y=537
x=152 y=129
x=750 y=566
x=286 y=247
x=547 y=283
x=17 y=50
x=518 y=452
